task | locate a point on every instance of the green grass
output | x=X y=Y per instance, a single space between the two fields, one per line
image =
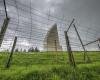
x=49 y=66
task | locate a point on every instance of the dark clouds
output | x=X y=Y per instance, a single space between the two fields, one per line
x=86 y=13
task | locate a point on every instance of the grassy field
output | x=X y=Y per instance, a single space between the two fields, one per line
x=49 y=66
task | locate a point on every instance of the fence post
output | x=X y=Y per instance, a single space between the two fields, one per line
x=3 y=29
x=5 y=24
x=55 y=51
x=55 y=46
x=70 y=54
x=85 y=53
x=5 y=8
x=11 y=54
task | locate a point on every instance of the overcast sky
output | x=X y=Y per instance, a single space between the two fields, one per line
x=28 y=22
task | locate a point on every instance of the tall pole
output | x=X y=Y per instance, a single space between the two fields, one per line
x=55 y=46
x=47 y=45
x=81 y=42
x=3 y=29
x=5 y=24
x=5 y=8
x=11 y=54
x=56 y=49
x=70 y=54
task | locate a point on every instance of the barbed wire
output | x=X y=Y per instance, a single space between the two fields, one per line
x=31 y=26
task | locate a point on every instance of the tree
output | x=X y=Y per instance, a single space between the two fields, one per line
x=7 y=50
x=36 y=49
x=16 y=50
x=31 y=49
x=24 y=50
x=21 y=50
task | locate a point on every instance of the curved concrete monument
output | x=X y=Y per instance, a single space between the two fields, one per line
x=51 y=41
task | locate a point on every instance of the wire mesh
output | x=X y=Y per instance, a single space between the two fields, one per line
x=42 y=32
x=31 y=27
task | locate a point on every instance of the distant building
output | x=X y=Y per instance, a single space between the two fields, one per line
x=51 y=41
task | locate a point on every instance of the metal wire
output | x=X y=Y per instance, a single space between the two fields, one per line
x=31 y=26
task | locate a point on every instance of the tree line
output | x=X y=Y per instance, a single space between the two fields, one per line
x=29 y=50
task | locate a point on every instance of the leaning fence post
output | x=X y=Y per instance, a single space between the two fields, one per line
x=11 y=54
x=70 y=54
x=5 y=24
x=3 y=29
x=85 y=52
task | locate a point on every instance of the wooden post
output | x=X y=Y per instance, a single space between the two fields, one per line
x=47 y=45
x=5 y=24
x=11 y=54
x=81 y=43
x=3 y=29
x=55 y=51
x=55 y=45
x=70 y=54
x=5 y=8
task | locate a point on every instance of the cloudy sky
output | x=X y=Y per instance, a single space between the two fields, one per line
x=31 y=20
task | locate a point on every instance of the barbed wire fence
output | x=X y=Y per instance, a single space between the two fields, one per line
x=35 y=29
